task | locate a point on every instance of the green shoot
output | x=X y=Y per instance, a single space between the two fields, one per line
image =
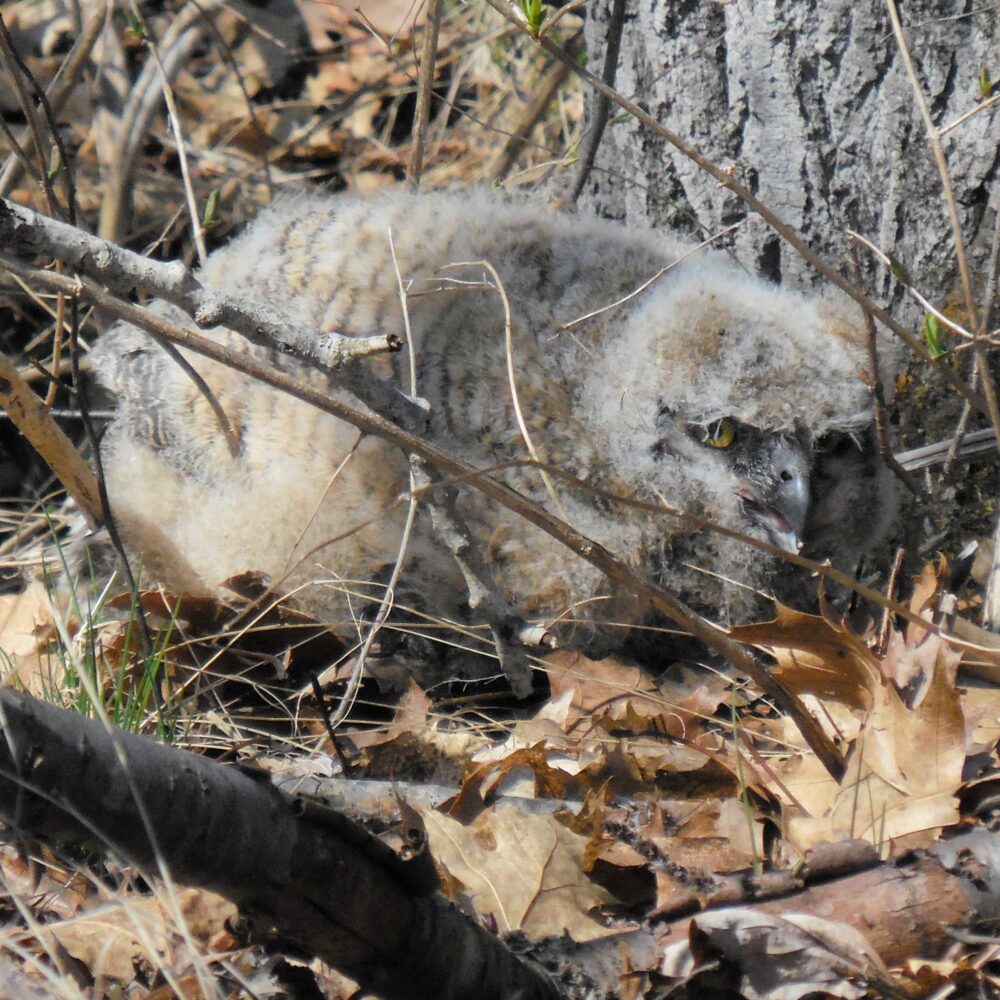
x=535 y=13
x=136 y=26
x=985 y=83
x=210 y=210
x=934 y=336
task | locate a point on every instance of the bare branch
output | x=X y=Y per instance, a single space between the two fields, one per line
x=27 y=234
x=586 y=548
x=312 y=875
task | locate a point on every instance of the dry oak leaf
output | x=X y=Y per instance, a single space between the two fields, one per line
x=905 y=764
x=902 y=777
x=412 y=716
x=816 y=656
x=616 y=695
x=26 y=626
x=525 y=872
x=108 y=939
x=913 y=655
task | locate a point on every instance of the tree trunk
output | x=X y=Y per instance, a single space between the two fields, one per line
x=811 y=105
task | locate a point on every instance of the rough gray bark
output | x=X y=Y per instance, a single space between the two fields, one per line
x=811 y=105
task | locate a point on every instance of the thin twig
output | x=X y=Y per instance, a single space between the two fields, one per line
x=197 y=229
x=178 y=41
x=18 y=73
x=602 y=103
x=385 y=605
x=61 y=87
x=883 y=633
x=544 y=92
x=425 y=87
x=961 y=428
x=512 y=378
x=962 y=118
x=903 y=280
x=229 y=432
x=227 y=57
x=651 y=281
x=993 y=409
x=878 y=394
x=18 y=155
x=28 y=234
x=324 y=711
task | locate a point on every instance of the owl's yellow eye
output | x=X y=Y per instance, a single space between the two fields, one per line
x=721 y=434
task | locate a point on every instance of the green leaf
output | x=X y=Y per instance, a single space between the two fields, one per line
x=535 y=13
x=933 y=335
x=985 y=83
x=56 y=168
x=136 y=26
x=898 y=270
x=210 y=211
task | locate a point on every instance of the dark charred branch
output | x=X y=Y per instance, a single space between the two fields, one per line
x=305 y=876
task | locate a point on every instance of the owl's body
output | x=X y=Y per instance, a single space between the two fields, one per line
x=630 y=400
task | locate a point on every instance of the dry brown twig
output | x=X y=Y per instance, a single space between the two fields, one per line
x=59 y=91
x=544 y=93
x=19 y=75
x=28 y=234
x=178 y=41
x=35 y=422
x=197 y=229
x=425 y=88
x=371 y=422
x=978 y=329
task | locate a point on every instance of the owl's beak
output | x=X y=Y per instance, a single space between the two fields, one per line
x=782 y=512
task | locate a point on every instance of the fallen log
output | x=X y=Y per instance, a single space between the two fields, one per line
x=304 y=875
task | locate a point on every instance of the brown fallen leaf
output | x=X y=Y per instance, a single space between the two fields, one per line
x=110 y=938
x=26 y=627
x=817 y=656
x=618 y=696
x=524 y=872
x=411 y=717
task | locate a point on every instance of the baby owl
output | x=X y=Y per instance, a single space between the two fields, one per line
x=639 y=366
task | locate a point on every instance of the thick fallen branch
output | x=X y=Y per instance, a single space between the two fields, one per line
x=306 y=874
x=904 y=911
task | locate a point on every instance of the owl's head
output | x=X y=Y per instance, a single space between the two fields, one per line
x=752 y=403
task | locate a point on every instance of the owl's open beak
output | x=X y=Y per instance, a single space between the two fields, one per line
x=782 y=514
